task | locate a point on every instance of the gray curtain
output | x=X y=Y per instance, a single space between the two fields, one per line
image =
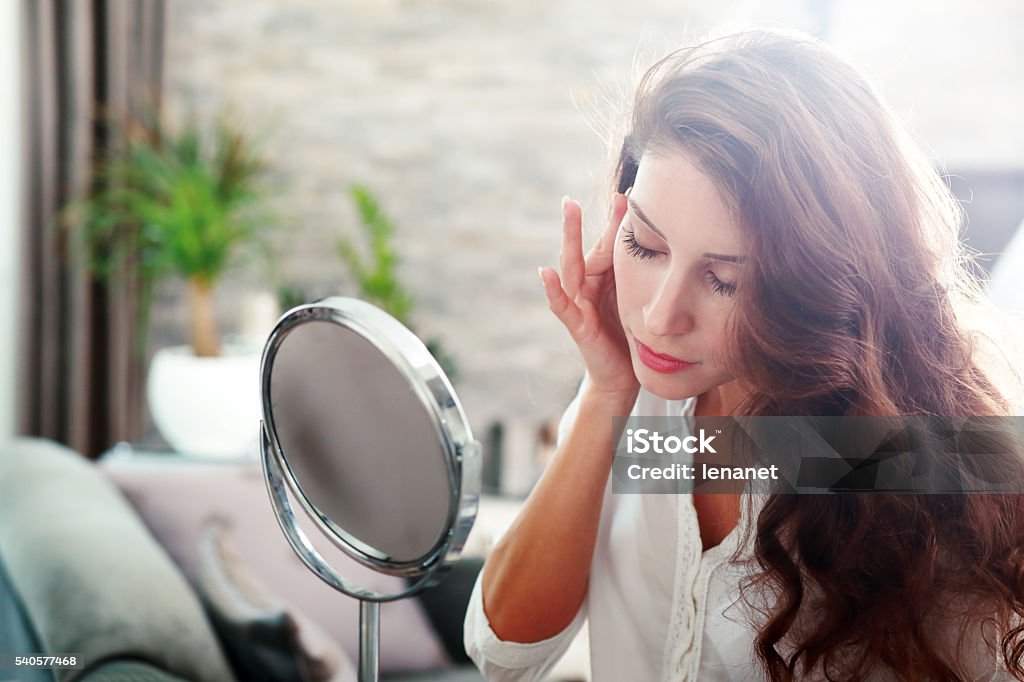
x=82 y=371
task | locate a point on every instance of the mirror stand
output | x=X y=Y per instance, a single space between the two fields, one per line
x=336 y=378
x=369 y=640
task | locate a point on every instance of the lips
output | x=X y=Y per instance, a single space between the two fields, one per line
x=666 y=364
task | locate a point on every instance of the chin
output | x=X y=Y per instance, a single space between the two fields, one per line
x=668 y=386
x=669 y=392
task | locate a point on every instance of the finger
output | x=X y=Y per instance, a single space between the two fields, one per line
x=616 y=212
x=560 y=304
x=572 y=264
x=600 y=257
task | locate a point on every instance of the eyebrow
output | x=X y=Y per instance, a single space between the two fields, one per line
x=726 y=258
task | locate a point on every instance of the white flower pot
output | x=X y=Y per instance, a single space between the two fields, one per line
x=206 y=406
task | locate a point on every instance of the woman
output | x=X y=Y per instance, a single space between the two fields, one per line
x=782 y=251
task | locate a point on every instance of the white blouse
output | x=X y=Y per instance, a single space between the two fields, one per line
x=659 y=608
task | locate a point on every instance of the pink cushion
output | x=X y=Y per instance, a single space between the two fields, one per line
x=177 y=497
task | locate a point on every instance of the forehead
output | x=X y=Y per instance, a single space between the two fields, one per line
x=684 y=203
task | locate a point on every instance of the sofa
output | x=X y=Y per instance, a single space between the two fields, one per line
x=160 y=568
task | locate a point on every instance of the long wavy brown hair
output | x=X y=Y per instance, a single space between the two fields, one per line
x=851 y=305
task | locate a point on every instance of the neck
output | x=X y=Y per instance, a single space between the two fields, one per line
x=720 y=401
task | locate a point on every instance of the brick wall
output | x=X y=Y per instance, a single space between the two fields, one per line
x=471 y=119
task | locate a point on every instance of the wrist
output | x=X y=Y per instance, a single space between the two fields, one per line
x=613 y=403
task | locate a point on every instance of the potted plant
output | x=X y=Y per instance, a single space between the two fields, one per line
x=185 y=202
x=377 y=276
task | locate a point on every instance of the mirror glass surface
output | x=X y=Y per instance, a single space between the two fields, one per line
x=359 y=441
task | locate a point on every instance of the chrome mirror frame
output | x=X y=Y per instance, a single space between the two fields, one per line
x=462 y=456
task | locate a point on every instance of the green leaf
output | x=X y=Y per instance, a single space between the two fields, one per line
x=181 y=201
x=377 y=279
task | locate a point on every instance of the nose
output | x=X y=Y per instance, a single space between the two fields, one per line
x=670 y=312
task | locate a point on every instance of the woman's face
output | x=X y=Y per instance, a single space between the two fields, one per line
x=678 y=254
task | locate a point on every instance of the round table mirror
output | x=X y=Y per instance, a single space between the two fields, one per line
x=364 y=431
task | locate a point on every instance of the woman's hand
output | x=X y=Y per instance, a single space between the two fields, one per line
x=520 y=601
x=583 y=299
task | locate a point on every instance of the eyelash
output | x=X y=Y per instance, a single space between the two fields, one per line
x=643 y=253
x=634 y=248
x=720 y=287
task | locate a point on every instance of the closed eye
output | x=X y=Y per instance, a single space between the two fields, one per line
x=643 y=253
x=635 y=249
x=720 y=287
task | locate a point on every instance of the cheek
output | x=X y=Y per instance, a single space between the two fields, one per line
x=720 y=339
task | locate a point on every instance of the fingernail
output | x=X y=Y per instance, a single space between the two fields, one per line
x=626 y=193
x=540 y=273
x=565 y=200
